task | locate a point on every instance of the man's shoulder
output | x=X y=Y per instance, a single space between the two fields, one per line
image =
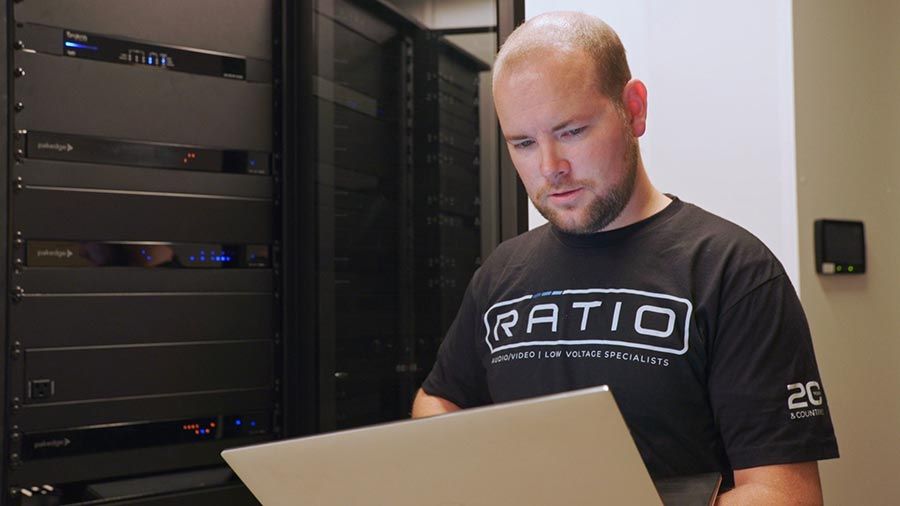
x=725 y=250
x=717 y=232
x=510 y=255
x=523 y=243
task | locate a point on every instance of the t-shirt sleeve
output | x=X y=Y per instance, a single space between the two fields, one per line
x=458 y=374
x=764 y=384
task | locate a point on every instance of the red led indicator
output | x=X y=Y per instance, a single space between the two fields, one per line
x=199 y=429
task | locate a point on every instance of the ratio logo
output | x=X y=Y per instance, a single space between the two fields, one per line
x=599 y=316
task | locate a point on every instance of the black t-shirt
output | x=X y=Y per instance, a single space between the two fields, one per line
x=689 y=319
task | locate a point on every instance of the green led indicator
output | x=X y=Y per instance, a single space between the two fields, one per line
x=850 y=269
x=838 y=268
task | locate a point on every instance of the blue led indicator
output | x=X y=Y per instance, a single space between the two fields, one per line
x=253 y=163
x=149 y=60
x=253 y=423
x=202 y=259
x=162 y=60
x=237 y=422
x=192 y=258
x=77 y=45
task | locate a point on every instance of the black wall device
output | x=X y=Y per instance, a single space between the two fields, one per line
x=840 y=247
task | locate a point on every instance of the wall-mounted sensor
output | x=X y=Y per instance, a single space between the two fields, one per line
x=840 y=247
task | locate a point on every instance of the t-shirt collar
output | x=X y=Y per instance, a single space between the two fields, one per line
x=611 y=236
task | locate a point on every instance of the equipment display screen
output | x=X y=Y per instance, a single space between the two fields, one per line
x=844 y=242
x=97 y=47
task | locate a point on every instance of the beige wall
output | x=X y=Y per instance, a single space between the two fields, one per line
x=847 y=78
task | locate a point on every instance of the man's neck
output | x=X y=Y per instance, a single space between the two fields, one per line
x=645 y=201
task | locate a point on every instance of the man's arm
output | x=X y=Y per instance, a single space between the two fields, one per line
x=783 y=484
x=430 y=405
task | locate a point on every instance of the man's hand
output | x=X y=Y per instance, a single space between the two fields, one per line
x=430 y=405
x=794 y=484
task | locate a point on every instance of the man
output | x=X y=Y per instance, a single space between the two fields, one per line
x=688 y=318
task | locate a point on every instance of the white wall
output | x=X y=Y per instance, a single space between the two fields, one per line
x=721 y=112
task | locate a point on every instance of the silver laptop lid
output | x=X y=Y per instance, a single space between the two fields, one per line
x=571 y=448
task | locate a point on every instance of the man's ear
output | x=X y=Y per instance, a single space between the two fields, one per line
x=634 y=98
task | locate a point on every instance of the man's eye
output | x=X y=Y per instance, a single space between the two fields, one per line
x=523 y=144
x=574 y=131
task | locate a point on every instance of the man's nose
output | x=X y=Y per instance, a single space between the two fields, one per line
x=554 y=165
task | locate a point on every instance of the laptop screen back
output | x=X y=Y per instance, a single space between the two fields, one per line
x=571 y=448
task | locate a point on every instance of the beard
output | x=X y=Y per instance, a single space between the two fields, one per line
x=602 y=209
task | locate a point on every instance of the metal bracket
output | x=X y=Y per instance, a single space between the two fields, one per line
x=17 y=294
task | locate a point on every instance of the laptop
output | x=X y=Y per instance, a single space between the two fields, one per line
x=571 y=448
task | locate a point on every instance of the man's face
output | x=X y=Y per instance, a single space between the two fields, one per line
x=572 y=147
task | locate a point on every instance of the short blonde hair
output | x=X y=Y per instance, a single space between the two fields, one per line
x=570 y=32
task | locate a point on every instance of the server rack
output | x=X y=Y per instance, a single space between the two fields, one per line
x=144 y=326
x=396 y=142
x=447 y=203
x=360 y=86
x=218 y=153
